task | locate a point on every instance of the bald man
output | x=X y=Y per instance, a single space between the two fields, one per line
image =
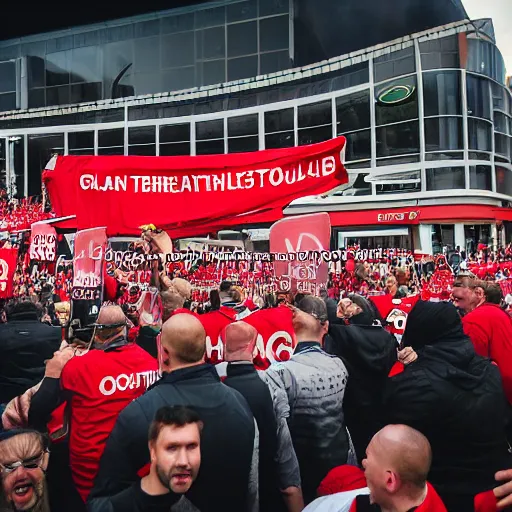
x=227 y=440
x=97 y=386
x=279 y=474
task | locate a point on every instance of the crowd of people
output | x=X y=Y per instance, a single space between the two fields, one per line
x=130 y=414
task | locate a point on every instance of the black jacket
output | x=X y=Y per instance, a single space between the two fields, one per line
x=227 y=441
x=244 y=378
x=25 y=345
x=455 y=398
x=369 y=353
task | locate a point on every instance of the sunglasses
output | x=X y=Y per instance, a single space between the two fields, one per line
x=31 y=463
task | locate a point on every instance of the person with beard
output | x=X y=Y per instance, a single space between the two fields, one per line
x=24 y=459
x=175 y=450
x=314 y=382
x=368 y=352
x=455 y=398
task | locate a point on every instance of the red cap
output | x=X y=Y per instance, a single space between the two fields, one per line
x=342 y=479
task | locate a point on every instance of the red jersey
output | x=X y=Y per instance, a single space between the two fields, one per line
x=102 y=384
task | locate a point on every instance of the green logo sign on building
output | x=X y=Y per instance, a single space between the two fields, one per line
x=396 y=94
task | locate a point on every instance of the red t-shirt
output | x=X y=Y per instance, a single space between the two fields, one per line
x=102 y=384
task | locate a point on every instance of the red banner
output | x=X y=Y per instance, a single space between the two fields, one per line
x=8 y=259
x=90 y=246
x=43 y=242
x=190 y=194
x=298 y=234
x=276 y=337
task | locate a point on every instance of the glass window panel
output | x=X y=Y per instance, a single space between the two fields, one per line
x=358 y=145
x=178 y=50
x=500 y=97
x=274 y=61
x=447 y=178
x=442 y=93
x=36 y=98
x=147 y=28
x=175 y=133
x=141 y=135
x=351 y=76
x=80 y=140
x=440 y=53
x=84 y=93
x=210 y=17
x=501 y=122
x=240 y=11
x=243 y=67
x=7 y=77
x=41 y=148
x=243 y=144
x=116 y=56
x=394 y=64
x=359 y=165
x=89 y=151
x=214 y=72
x=480 y=177
x=108 y=138
x=116 y=150
x=177 y=23
x=58 y=66
x=390 y=110
x=480 y=134
x=57 y=95
x=59 y=44
x=214 y=43
x=443 y=133
x=356 y=186
x=353 y=112
x=445 y=155
x=269 y=7
x=91 y=38
x=116 y=34
x=503 y=181
x=485 y=58
x=473 y=155
x=279 y=120
x=243 y=125
x=274 y=33
x=179 y=78
x=7 y=101
x=210 y=147
x=210 y=129
x=478 y=97
x=142 y=150
x=397 y=188
x=147 y=83
x=314 y=135
x=382 y=162
x=279 y=140
x=398 y=139
x=242 y=39
x=315 y=114
x=11 y=52
x=36 y=72
x=147 y=55
x=85 y=65
x=502 y=145
x=179 y=148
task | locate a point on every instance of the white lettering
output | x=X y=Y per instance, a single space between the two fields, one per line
x=122 y=387
x=103 y=388
x=290 y=181
x=146 y=184
x=156 y=184
x=109 y=385
x=328 y=165
x=249 y=180
x=87 y=181
x=285 y=346
x=262 y=173
x=185 y=184
x=107 y=185
x=272 y=178
x=219 y=182
x=120 y=183
x=136 y=182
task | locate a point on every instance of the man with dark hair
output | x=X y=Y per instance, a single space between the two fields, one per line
x=25 y=345
x=314 y=382
x=493 y=294
x=229 y=434
x=174 y=445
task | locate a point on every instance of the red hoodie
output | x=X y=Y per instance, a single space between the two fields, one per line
x=490 y=330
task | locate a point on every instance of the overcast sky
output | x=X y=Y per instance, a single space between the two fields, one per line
x=501 y=13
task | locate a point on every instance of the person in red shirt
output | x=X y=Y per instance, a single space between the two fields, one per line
x=487 y=325
x=98 y=385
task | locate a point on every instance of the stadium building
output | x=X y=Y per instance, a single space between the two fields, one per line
x=419 y=91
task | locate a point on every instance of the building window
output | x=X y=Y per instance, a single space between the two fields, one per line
x=141 y=140
x=111 y=142
x=478 y=97
x=484 y=58
x=41 y=148
x=503 y=181
x=446 y=178
x=501 y=123
x=443 y=133
x=445 y=155
x=442 y=94
x=398 y=139
x=352 y=112
x=480 y=133
x=279 y=129
x=356 y=186
x=480 y=177
x=7 y=86
x=394 y=64
x=243 y=134
x=175 y=139
x=396 y=101
x=500 y=98
x=315 y=122
x=358 y=146
x=502 y=145
x=81 y=143
x=440 y=53
x=210 y=137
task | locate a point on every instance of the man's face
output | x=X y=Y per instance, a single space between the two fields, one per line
x=302 y=321
x=464 y=298
x=176 y=455
x=23 y=487
x=375 y=473
x=391 y=284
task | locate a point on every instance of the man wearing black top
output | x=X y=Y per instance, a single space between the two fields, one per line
x=174 y=445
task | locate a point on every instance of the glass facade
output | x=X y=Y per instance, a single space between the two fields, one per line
x=413 y=112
